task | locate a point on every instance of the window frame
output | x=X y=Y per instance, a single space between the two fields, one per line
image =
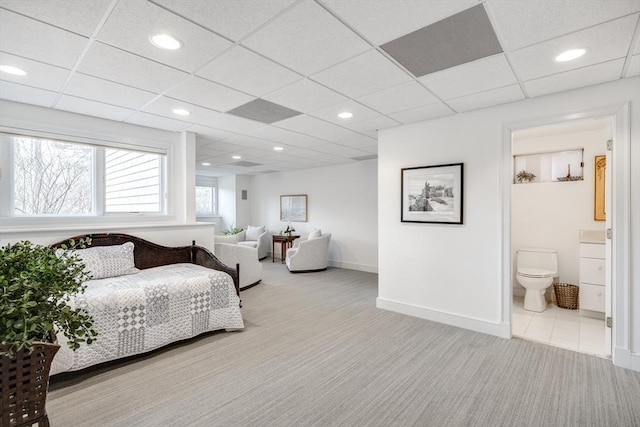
x=99 y=215
x=214 y=202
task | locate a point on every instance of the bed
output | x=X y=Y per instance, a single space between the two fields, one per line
x=144 y=296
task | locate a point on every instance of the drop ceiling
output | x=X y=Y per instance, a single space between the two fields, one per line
x=259 y=74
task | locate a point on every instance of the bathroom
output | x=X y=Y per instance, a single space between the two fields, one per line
x=559 y=214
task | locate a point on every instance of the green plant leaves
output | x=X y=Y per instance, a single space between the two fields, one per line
x=37 y=284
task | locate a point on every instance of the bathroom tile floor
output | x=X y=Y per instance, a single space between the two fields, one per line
x=559 y=327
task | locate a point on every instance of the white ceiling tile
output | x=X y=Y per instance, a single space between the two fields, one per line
x=248 y=141
x=523 y=23
x=634 y=66
x=371 y=126
x=364 y=74
x=304 y=96
x=248 y=72
x=208 y=94
x=26 y=94
x=164 y=106
x=359 y=111
x=486 y=99
x=539 y=60
x=383 y=20
x=132 y=23
x=232 y=123
x=39 y=75
x=306 y=38
x=84 y=86
x=425 y=112
x=339 y=150
x=472 y=77
x=279 y=135
x=34 y=40
x=399 y=98
x=316 y=128
x=636 y=51
x=231 y=18
x=79 y=16
x=93 y=108
x=360 y=142
x=587 y=76
x=210 y=133
x=122 y=67
x=224 y=147
x=151 y=120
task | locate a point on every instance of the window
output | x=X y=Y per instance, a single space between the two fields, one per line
x=60 y=178
x=206 y=195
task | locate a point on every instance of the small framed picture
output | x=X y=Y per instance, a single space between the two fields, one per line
x=432 y=194
x=293 y=208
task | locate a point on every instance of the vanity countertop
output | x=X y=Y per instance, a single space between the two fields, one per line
x=592 y=236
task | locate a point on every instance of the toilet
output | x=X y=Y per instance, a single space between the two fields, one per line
x=536 y=269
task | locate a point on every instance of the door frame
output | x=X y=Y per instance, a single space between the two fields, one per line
x=620 y=221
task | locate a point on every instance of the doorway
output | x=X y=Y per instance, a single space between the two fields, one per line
x=552 y=212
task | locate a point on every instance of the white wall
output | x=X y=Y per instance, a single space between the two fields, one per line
x=243 y=207
x=454 y=273
x=342 y=200
x=551 y=214
x=227 y=201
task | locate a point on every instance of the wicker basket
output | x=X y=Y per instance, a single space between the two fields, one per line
x=566 y=295
x=23 y=386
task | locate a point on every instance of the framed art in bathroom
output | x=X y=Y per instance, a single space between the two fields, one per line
x=432 y=194
x=599 y=213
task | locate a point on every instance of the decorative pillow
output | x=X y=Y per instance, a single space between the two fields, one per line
x=315 y=233
x=253 y=233
x=108 y=261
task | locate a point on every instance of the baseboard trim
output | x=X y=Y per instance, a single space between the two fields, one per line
x=625 y=359
x=352 y=266
x=502 y=330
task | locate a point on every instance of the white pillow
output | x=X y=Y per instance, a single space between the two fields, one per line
x=315 y=233
x=108 y=261
x=253 y=233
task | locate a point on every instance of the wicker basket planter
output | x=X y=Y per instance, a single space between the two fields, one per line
x=566 y=295
x=24 y=381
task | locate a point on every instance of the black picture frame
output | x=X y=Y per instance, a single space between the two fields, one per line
x=432 y=194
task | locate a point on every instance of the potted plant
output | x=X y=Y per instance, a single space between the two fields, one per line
x=524 y=176
x=36 y=286
x=289 y=230
x=232 y=230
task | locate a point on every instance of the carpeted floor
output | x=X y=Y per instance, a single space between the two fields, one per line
x=316 y=352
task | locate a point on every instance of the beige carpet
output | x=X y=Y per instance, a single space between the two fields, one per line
x=316 y=352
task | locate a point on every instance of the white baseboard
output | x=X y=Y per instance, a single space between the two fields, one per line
x=625 y=359
x=502 y=330
x=352 y=266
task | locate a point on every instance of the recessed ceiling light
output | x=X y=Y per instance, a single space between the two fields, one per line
x=236 y=157
x=570 y=55
x=181 y=111
x=345 y=115
x=205 y=164
x=278 y=148
x=10 y=69
x=165 y=41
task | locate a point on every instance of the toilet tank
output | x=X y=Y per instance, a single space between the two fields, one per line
x=537 y=258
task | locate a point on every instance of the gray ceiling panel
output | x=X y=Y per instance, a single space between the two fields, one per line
x=264 y=111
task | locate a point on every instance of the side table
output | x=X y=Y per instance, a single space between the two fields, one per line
x=285 y=243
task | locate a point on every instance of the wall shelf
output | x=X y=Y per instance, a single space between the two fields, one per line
x=552 y=166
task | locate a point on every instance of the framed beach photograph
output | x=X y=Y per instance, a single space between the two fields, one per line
x=432 y=194
x=293 y=208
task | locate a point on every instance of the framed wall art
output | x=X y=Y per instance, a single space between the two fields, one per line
x=293 y=208
x=599 y=213
x=432 y=194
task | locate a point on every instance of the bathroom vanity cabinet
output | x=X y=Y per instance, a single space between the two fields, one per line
x=592 y=279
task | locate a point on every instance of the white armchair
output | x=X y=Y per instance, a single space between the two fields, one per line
x=250 y=268
x=309 y=254
x=253 y=237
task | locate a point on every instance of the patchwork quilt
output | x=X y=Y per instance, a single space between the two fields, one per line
x=140 y=312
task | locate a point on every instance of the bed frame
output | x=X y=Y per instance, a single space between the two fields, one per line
x=147 y=254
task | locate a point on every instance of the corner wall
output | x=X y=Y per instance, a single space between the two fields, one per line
x=454 y=274
x=342 y=200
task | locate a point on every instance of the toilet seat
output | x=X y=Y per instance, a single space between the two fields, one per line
x=539 y=273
